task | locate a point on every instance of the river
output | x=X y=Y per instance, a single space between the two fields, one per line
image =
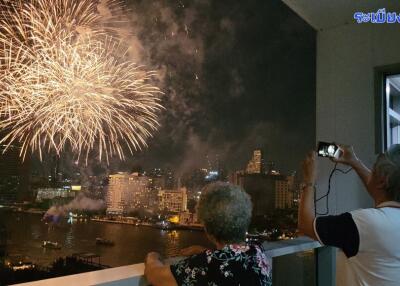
x=26 y=233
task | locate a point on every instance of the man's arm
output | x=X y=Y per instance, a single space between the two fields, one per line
x=157 y=273
x=306 y=213
x=348 y=157
x=339 y=231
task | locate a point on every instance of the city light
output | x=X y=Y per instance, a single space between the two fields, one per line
x=76 y=188
x=212 y=175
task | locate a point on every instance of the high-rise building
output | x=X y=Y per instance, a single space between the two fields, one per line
x=235 y=177
x=261 y=189
x=14 y=176
x=283 y=194
x=125 y=192
x=267 y=192
x=256 y=164
x=173 y=200
x=162 y=178
x=270 y=170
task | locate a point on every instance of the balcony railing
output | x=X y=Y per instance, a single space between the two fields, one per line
x=293 y=260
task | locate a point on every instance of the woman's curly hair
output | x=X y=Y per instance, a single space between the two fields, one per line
x=225 y=210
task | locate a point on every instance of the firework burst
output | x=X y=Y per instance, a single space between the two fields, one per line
x=66 y=80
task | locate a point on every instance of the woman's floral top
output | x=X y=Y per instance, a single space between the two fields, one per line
x=233 y=265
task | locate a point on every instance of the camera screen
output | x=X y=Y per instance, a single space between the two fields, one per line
x=327 y=149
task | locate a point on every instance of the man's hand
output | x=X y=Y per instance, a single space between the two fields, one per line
x=306 y=208
x=192 y=250
x=309 y=166
x=347 y=156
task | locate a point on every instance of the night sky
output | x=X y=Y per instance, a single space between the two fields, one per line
x=237 y=75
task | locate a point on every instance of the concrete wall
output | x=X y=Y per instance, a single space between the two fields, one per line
x=346 y=57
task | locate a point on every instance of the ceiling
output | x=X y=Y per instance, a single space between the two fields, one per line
x=326 y=14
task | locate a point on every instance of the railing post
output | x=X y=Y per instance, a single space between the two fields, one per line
x=326 y=266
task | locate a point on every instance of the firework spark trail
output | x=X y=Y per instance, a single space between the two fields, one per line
x=66 y=80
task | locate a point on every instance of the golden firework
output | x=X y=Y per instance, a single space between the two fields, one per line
x=66 y=80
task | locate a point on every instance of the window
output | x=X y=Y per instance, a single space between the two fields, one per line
x=387 y=107
x=392 y=92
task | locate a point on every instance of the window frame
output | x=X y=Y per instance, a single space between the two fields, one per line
x=380 y=100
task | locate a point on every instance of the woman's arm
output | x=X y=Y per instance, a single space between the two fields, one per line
x=156 y=272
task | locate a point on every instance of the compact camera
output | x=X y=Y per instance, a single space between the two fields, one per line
x=330 y=150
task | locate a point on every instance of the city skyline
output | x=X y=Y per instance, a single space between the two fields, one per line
x=216 y=90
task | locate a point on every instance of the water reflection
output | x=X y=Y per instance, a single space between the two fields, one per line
x=36 y=232
x=172 y=243
x=69 y=238
x=132 y=243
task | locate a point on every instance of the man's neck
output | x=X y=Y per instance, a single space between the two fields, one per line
x=381 y=199
x=390 y=204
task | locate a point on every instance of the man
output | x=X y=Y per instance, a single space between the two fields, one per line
x=368 y=239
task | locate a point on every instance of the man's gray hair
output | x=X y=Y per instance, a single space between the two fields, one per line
x=388 y=165
x=225 y=210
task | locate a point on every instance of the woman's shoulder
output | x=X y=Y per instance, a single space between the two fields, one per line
x=244 y=262
x=233 y=263
x=243 y=249
x=249 y=254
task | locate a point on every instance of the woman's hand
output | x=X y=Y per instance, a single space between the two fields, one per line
x=309 y=168
x=151 y=257
x=156 y=272
x=192 y=250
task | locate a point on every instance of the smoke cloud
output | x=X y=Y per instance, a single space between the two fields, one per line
x=236 y=75
x=81 y=202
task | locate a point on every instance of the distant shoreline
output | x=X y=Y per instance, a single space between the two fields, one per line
x=193 y=227
x=171 y=227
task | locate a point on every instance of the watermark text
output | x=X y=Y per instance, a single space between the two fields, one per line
x=379 y=17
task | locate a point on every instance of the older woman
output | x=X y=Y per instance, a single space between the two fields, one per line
x=225 y=211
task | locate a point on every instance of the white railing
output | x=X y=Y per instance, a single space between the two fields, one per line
x=133 y=275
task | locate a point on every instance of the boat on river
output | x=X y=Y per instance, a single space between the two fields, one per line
x=51 y=244
x=17 y=262
x=103 y=241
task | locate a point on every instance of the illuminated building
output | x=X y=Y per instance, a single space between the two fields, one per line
x=173 y=200
x=52 y=193
x=187 y=217
x=255 y=165
x=162 y=178
x=269 y=190
x=283 y=195
x=125 y=192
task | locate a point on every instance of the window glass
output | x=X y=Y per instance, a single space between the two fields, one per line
x=392 y=91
